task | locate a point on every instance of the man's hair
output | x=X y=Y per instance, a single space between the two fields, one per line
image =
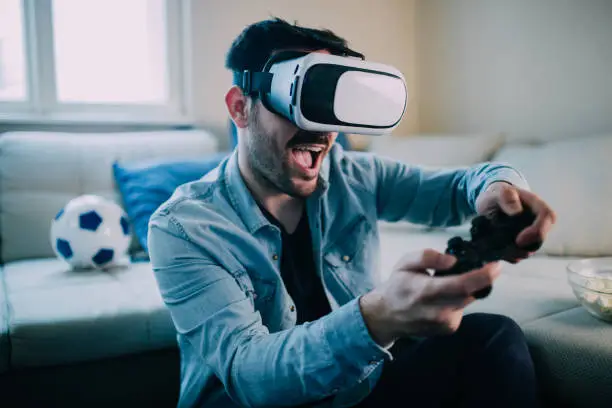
x=258 y=41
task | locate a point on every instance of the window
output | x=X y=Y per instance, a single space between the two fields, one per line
x=12 y=61
x=100 y=60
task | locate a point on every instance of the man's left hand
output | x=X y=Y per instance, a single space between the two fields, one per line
x=511 y=200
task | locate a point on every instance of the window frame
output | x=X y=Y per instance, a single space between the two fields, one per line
x=42 y=105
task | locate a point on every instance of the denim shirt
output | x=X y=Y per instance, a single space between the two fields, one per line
x=216 y=261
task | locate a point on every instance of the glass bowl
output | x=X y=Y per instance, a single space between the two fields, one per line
x=591 y=281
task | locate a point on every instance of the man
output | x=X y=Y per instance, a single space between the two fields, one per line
x=268 y=268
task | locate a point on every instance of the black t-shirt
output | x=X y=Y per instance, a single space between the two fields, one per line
x=298 y=271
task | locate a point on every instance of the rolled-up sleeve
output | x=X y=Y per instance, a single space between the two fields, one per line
x=214 y=311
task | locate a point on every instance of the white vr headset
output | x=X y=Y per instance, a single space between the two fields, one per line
x=330 y=93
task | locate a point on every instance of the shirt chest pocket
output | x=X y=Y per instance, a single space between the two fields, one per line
x=350 y=257
x=260 y=291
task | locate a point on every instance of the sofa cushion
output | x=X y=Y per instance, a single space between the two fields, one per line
x=60 y=316
x=573 y=176
x=572 y=352
x=438 y=150
x=145 y=185
x=41 y=171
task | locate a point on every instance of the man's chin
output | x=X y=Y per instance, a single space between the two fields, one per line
x=303 y=188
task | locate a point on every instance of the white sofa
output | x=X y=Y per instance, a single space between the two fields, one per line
x=96 y=338
x=105 y=337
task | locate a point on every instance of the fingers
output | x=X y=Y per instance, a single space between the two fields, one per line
x=510 y=200
x=545 y=218
x=452 y=302
x=464 y=285
x=420 y=261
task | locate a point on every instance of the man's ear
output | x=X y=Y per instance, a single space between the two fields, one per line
x=237 y=106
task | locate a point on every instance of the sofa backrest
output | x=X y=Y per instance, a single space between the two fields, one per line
x=575 y=177
x=41 y=171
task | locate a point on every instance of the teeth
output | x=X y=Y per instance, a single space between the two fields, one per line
x=316 y=149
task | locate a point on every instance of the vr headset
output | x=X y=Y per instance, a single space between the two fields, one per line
x=330 y=93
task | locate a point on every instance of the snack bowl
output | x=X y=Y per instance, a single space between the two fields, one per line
x=591 y=281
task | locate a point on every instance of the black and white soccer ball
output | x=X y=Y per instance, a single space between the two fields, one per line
x=91 y=231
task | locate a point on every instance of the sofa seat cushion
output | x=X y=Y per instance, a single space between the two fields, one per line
x=572 y=351
x=60 y=316
x=4 y=333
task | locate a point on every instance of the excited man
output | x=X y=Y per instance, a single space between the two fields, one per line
x=268 y=267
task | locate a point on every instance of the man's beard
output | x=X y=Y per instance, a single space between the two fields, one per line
x=269 y=162
x=266 y=160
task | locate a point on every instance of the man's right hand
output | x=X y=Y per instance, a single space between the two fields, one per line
x=413 y=303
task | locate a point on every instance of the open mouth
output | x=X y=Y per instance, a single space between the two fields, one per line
x=307 y=156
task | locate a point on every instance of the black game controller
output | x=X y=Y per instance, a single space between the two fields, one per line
x=493 y=239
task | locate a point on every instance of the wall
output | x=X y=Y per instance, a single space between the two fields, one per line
x=534 y=69
x=383 y=30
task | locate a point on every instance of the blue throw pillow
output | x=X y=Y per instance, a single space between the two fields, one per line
x=145 y=185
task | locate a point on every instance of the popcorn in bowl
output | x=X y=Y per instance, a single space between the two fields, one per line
x=591 y=281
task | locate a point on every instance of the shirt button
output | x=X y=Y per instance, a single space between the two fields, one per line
x=373 y=362
x=292 y=308
x=275 y=257
x=346 y=258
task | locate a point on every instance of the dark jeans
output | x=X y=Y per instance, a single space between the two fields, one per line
x=485 y=363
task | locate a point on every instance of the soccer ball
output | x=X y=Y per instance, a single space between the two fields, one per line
x=90 y=232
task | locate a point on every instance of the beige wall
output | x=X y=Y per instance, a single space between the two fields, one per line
x=534 y=69
x=381 y=29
